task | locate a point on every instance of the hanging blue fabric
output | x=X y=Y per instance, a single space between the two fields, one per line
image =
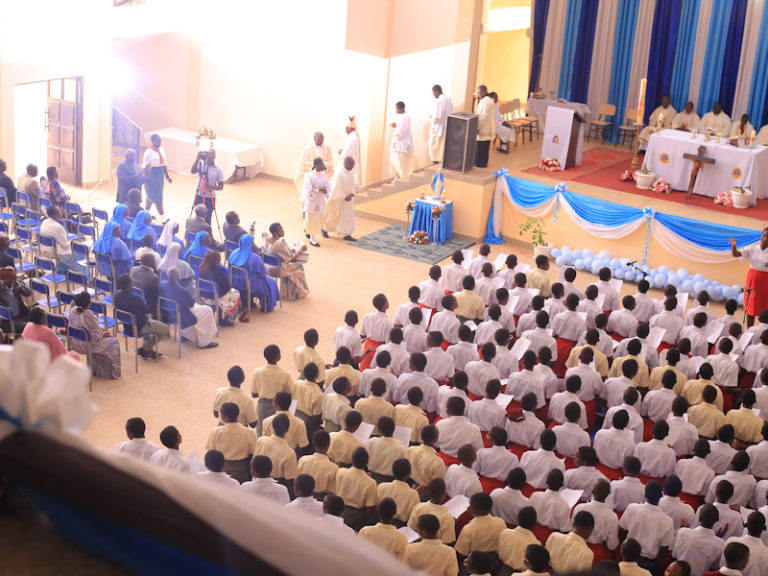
x=540 y=15
x=570 y=36
x=582 y=59
x=712 y=73
x=599 y=211
x=649 y=214
x=757 y=108
x=707 y=234
x=666 y=21
x=686 y=44
x=732 y=56
x=493 y=236
x=623 y=47
x=527 y=193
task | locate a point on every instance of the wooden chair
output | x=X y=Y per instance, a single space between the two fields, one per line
x=524 y=122
x=630 y=128
x=601 y=124
x=507 y=111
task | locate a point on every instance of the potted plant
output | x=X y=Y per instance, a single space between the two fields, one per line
x=538 y=236
x=741 y=196
x=644 y=178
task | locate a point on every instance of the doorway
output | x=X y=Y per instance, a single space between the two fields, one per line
x=48 y=127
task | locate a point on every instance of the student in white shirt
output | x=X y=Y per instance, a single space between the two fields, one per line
x=700 y=546
x=262 y=482
x=743 y=482
x=333 y=508
x=496 y=461
x=613 y=388
x=644 y=306
x=623 y=322
x=486 y=413
x=214 y=473
x=539 y=336
x=682 y=434
x=668 y=320
x=508 y=501
x=398 y=357
x=525 y=429
x=627 y=490
x=590 y=380
x=459 y=389
x=588 y=305
x=647 y=524
x=347 y=336
x=457 y=430
x=611 y=302
x=585 y=474
x=657 y=457
x=137 y=445
x=414 y=335
x=417 y=377
x=401 y=319
x=170 y=458
x=695 y=333
x=731 y=522
x=725 y=371
x=464 y=351
x=682 y=514
x=446 y=321
x=694 y=472
x=758 y=455
x=505 y=360
x=508 y=273
x=571 y=437
x=657 y=404
x=614 y=444
x=569 y=277
x=431 y=291
x=527 y=381
x=461 y=478
x=524 y=297
x=454 y=273
x=538 y=463
x=487 y=328
x=475 y=267
x=721 y=451
x=755 y=356
x=481 y=371
x=568 y=324
x=703 y=306
x=649 y=355
x=485 y=287
x=379 y=369
x=630 y=404
x=303 y=488
x=552 y=510
x=507 y=319
x=440 y=364
x=527 y=320
x=758 y=551
x=606 y=530
x=555 y=304
x=559 y=401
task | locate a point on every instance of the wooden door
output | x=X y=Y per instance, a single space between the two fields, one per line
x=65 y=128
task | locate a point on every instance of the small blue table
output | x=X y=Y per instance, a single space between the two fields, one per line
x=439 y=231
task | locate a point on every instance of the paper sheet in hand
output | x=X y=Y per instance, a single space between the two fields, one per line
x=468 y=257
x=292 y=407
x=713 y=331
x=498 y=281
x=682 y=302
x=503 y=400
x=471 y=325
x=512 y=304
x=616 y=284
x=746 y=340
x=533 y=291
x=522 y=267
x=655 y=336
x=457 y=505
x=195 y=464
x=498 y=264
x=402 y=435
x=520 y=347
x=412 y=535
x=363 y=433
x=572 y=497
x=600 y=301
x=697 y=361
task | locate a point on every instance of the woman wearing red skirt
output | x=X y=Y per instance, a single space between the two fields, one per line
x=756 y=289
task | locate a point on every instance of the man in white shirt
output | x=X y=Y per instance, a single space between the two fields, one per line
x=657 y=404
x=540 y=337
x=53 y=228
x=716 y=121
x=668 y=320
x=505 y=360
x=417 y=377
x=742 y=128
x=504 y=130
x=700 y=546
x=551 y=508
x=454 y=273
x=694 y=472
x=627 y=490
x=432 y=293
x=524 y=297
x=480 y=372
x=401 y=156
x=214 y=473
x=659 y=119
x=758 y=455
x=731 y=522
x=682 y=434
x=486 y=330
x=631 y=404
x=464 y=351
x=461 y=479
x=686 y=120
x=525 y=428
x=485 y=287
x=682 y=514
x=695 y=333
x=569 y=324
x=303 y=487
x=457 y=430
x=508 y=501
x=611 y=301
x=606 y=531
x=381 y=370
x=317 y=149
x=486 y=126
x=348 y=337
x=486 y=413
x=742 y=481
x=526 y=380
x=495 y=462
x=585 y=474
x=398 y=356
x=440 y=364
x=438 y=120
x=758 y=552
x=702 y=299
x=657 y=457
x=559 y=402
x=644 y=306
x=614 y=444
x=721 y=450
x=263 y=484
x=571 y=437
x=446 y=321
x=170 y=458
x=647 y=524
x=623 y=322
x=538 y=463
x=137 y=445
x=613 y=388
x=401 y=315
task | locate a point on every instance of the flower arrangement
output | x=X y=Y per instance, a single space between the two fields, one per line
x=661 y=186
x=742 y=189
x=409 y=207
x=723 y=199
x=419 y=237
x=206 y=132
x=550 y=165
x=437 y=212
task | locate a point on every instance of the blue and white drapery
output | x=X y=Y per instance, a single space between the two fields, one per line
x=690 y=239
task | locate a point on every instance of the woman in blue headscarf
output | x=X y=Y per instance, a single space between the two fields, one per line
x=200 y=246
x=110 y=243
x=262 y=286
x=141 y=228
x=119 y=218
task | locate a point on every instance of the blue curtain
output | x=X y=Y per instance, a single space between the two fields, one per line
x=708 y=234
x=529 y=194
x=709 y=91
x=757 y=107
x=666 y=20
x=602 y=212
x=623 y=46
x=540 y=14
x=570 y=36
x=582 y=59
x=686 y=44
x=732 y=55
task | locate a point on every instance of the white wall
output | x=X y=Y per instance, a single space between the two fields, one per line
x=30 y=138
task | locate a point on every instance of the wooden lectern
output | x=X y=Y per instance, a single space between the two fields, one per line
x=573 y=141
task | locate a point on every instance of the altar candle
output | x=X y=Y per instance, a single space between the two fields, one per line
x=752 y=137
x=641 y=101
x=661 y=120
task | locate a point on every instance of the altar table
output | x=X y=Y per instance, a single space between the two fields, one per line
x=439 y=231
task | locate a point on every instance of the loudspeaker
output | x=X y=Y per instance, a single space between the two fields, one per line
x=460 y=141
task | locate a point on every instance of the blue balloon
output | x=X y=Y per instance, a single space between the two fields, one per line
x=588 y=262
x=588 y=252
x=698 y=277
x=560 y=260
x=659 y=280
x=577 y=254
x=699 y=286
x=673 y=279
x=619 y=273
x=712 y=291
x=740 y=299
x=727 y=292
x=565 y=250
x=638 y=276
x=664 y=269
x=596 y=265
x=687 y=285
x=579 y=264
x=682 y=272
x=615 y=263
x=604 y=255
x=555 y=252
x=645 y=268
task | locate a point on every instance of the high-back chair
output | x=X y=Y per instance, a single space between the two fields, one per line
x=171 y=315
x=100 y=310
x=601 y=124
x=129 y=331
x=209 y=289
x=38 y=287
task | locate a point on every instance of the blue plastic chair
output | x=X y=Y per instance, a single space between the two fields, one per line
x=21 y=264
x=105 y=289
x=275 y=262
x=23 y=198
x=7 y=314
x=100 y=217
x=42 y=288
x=66 y=299
x=81 y=256
x=230 y=247
x=5 y=206
x=194 y=262
x=25 y=241
x=59 y=322
x=45 y=203
x=100 y=309
x=209 y=289
x=171 y=315
x=85 y=337
x=128 y=321
x=189 y=237
x=47 y=271
x=104 y=266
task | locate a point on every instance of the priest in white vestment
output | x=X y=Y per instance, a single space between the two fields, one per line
x=401 y=156
x=715 y=122
x=340 y=211
x=352 y=149
x=438 y=119
x=504 y=130
x=317 y=186
x=660 y=118
x=762 y=137
x=743 y=128
x=686 y=120
x=315 y=150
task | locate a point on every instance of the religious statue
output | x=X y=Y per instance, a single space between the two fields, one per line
x=699 y=159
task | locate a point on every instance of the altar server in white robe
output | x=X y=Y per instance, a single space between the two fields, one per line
x=438 y=120
x=742 y=128
x=716 y=121
x=686 y=120
x=660 y=118
x=352 y=149
x=317 y=149
x=762 y=137
x=340 y=211
x=316 y=189
x=401 y=156
x=504 y=131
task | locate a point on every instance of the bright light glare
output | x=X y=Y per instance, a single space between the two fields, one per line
x=120 y=78
x=505 y=19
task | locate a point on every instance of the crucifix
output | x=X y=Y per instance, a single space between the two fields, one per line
x=699 y=159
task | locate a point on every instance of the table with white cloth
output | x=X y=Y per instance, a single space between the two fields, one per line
x=733 y=166
x=538 y=107
x=235 y=157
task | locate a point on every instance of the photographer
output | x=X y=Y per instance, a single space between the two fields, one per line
x=209 y=179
